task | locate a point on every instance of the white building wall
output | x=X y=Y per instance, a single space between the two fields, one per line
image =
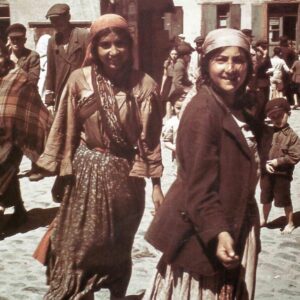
x=191 y=19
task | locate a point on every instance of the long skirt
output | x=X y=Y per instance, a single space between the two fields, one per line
x=95 y=227
x=175 y=284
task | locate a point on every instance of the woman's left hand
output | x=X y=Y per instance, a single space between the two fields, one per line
x=225 y=251
x=157 y=194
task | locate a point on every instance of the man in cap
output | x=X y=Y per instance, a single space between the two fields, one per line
x=25 y=122
x=65 y=53
x=199 y=42
x=29 y=61
x=194 y=66
x=26 y=59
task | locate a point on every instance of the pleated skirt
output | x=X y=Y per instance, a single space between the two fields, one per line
x=95 y=228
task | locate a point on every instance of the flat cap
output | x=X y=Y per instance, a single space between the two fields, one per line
x=57 y=10
x=261 y=42
x=199 y=39
x=277 y=105
x=247 y=32
x=185 y=48
x=16 y=29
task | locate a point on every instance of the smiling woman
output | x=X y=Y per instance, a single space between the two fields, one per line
x=210 y=208
x=100 y=139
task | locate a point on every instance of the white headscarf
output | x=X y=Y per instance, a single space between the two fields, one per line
x=225 y=37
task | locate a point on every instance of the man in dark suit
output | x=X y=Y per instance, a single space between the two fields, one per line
x=66 y=51
x=28 y=60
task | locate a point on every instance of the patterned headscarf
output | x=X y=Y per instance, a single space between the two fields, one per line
x=105 y=21
x=225 y=37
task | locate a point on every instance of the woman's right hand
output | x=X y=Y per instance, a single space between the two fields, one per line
x=225 y=251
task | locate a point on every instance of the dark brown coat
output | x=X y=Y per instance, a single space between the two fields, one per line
x=61 y=63
x=214 y=190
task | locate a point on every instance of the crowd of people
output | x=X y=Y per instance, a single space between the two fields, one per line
x=100 y=129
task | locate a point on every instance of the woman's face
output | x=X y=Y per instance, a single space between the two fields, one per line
x=173 y=54
x=228 y=69
x=113 y=52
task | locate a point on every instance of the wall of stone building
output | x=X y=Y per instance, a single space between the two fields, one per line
x=191 y=19
x=25 y=11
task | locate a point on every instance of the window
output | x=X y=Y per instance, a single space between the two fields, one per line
x=274 y=29
x=4 y=20
x=223 y=15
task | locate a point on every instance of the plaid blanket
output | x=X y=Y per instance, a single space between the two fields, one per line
x=24 y=122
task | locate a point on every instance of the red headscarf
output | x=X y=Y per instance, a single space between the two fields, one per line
x=105 y=21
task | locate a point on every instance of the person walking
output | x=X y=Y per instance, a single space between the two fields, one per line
x=289 y=56
x=296 y=81
x=65 y=52
x=106 y=137
x=181 y=82
x=208 y=226
x=279 y=68
x=25 y=123
x=28 y=60
x=167 y=79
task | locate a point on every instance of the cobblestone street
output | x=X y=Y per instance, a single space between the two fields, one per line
x=22 y=277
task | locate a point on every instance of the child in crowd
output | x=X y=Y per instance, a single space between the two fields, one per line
x=280 y=153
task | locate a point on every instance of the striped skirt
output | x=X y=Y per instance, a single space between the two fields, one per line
x=179 y=285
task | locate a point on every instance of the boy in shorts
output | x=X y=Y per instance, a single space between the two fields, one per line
x=280 y=153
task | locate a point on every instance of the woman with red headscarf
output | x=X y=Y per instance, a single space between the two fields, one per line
x=105 y=137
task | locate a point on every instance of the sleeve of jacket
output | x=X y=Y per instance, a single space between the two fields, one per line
x=198 y=146
x=64 y=134
x=292 y=156
x=148 y=163
x=51 y=70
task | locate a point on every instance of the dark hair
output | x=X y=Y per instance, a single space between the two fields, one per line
x=204 y=77
x=277 y=51
x=283 y=40
x=122 y=33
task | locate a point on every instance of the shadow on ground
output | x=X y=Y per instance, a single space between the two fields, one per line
x=37 y=217
x=281 y=222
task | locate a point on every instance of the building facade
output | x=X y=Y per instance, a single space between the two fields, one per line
x=268 y=19
x=155 y=23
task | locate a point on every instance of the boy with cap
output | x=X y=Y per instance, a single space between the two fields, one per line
x=65 y=53
x=28 y=60
x=280 y=153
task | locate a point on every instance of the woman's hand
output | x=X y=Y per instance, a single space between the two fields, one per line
x=225 y=251
x=157 y=194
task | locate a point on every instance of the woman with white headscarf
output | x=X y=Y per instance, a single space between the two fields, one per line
x=208 y=226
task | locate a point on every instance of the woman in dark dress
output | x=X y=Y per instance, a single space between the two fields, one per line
x=101 y=138
x=208 y=226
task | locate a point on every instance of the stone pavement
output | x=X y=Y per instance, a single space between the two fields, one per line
x=21 y=277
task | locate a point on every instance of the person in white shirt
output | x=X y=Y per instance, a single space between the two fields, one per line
x=276 y=74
